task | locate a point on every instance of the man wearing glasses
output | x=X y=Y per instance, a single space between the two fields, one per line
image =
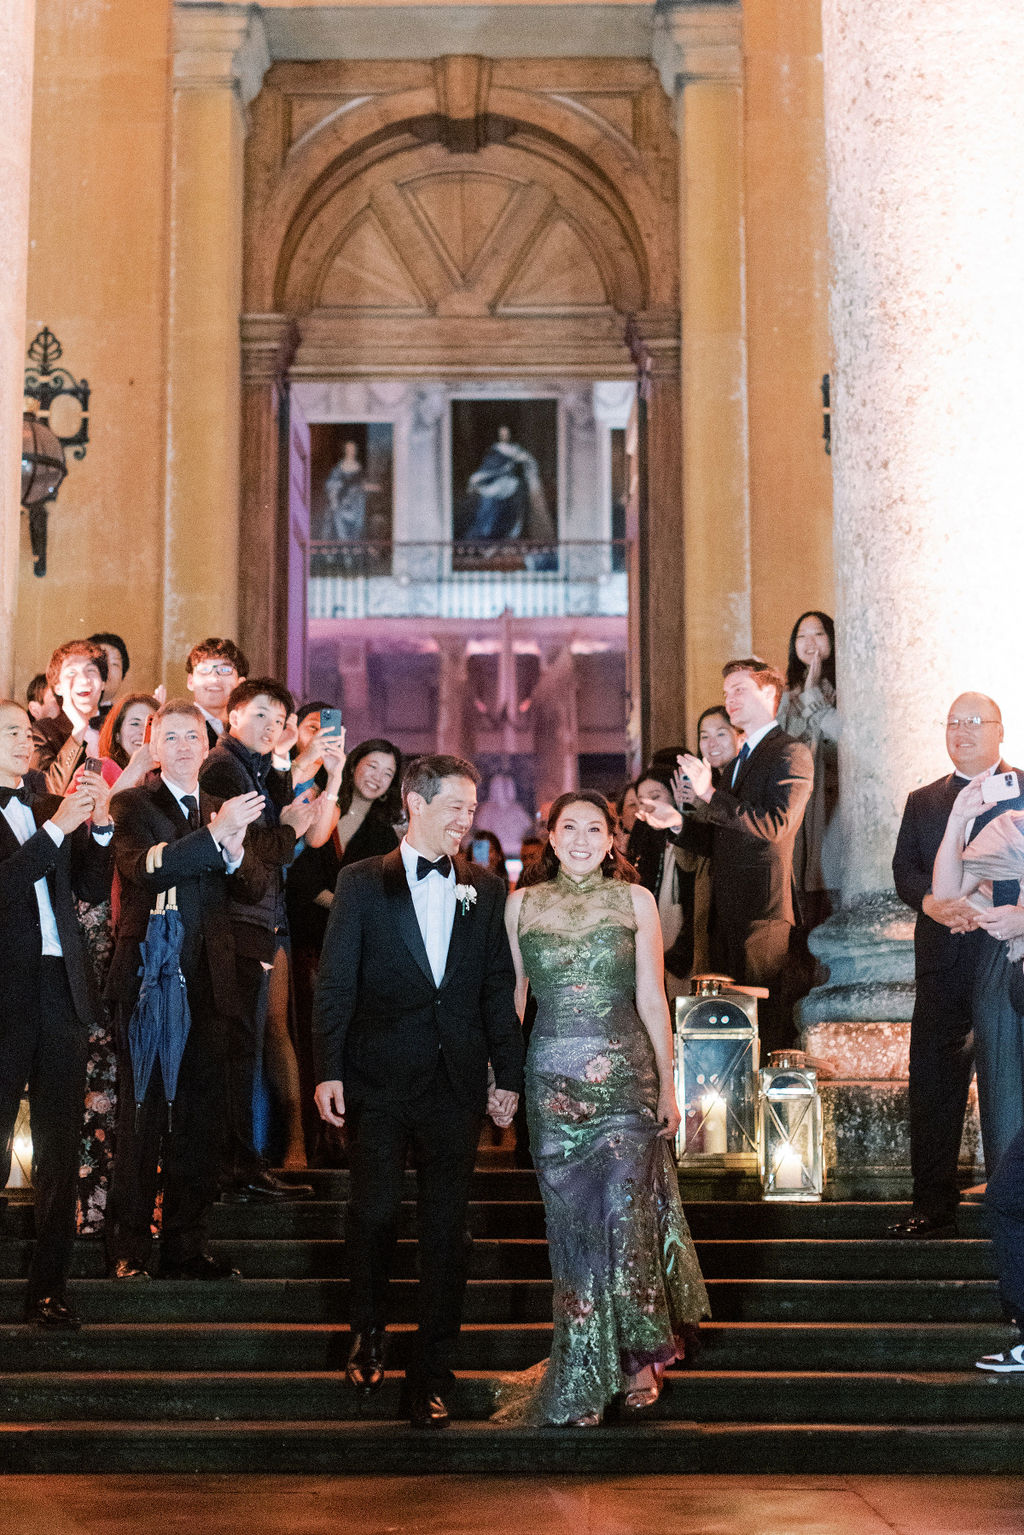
x=947 y=949
x=213 y=669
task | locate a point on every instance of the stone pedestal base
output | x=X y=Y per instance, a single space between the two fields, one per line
x=857 y=1027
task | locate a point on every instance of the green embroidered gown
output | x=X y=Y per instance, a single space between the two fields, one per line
x=627 y=1284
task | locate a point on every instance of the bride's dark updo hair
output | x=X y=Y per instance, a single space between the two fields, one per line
x=613 y=865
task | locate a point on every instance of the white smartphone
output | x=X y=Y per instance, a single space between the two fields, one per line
x=999 y=786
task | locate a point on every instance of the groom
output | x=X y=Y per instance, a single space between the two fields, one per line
x=415 y=994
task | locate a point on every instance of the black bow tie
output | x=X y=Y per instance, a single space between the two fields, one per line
x=6 y=795
x=443 y=866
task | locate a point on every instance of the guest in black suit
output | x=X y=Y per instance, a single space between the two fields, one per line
x=47 y=1004
x=77 y=673
x=118 y=662
x=754 y=814
x=213 y=669
x=242 y=761
x=415 y=994
x=202 y=857
x=949 y=949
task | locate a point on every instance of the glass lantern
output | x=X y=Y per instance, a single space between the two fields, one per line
x=790 y=1142
x=21 y=1150
x=716 y=1058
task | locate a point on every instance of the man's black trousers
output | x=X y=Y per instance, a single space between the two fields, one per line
x=441 y=1133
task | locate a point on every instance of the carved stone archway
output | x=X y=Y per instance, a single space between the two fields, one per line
x=461 y=217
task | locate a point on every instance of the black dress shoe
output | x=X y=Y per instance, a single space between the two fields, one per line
x=925 y=1227
x=365 y=1368
x=124 y=1268
x=426 y=1407
x=52 y=1311
x=264 y=1188
x=200 y=1266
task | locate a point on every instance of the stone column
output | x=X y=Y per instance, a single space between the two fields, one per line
x=268 y=344
x=924 y=116
x=698 y=51
x=220 y=55
x=658 y=628
x=452 y=735
x=17 y=36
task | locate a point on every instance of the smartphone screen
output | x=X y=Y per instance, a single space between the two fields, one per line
x=330 y=721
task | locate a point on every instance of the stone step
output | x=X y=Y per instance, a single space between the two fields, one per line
x=832 y=1448
x=527 y=1258
x=514 y=1300
x=772 y=1347
x=309 y=1220
x=699 y=1396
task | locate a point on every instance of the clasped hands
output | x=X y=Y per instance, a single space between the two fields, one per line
x=330 y=1102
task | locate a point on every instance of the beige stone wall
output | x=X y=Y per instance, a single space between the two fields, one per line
x=97 y=277
x=787 y=317
x=136 y=515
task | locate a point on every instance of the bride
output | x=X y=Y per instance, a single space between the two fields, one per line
x=628 y=1291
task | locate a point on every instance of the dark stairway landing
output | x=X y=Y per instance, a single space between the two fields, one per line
x=831 y=1347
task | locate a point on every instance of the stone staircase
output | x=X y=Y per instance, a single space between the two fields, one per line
x=831 y=1347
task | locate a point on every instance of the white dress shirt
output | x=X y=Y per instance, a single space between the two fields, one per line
x=231 y=864
x=751 y=742
x=22 y=822
x=214 y=721
x=433 y=900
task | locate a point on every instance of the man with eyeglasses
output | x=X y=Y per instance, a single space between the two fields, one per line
x=948 y=946
x=213 y=669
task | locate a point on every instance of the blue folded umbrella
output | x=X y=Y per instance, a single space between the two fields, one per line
x=159 y=1025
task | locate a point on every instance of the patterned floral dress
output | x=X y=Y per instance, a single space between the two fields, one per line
x=101 y=1078
x=627 y=1285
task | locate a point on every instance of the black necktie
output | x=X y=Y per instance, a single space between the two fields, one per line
x=744 y=753
x=190 y=805
x=6 y=795
x=442 y=866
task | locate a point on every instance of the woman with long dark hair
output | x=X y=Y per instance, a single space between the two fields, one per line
x=808 y=712
x=124 y=762
x=628 y=1292
x=123 y=748
x=369 y=805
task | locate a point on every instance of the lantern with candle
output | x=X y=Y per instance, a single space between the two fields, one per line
x=789 y=1128
x=716 y=1074
x=21 y=1150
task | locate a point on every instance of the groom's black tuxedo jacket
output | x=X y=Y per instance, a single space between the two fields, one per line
x=922 y=829
x=380 y=1024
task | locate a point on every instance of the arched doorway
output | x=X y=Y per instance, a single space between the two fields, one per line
x=461 y=218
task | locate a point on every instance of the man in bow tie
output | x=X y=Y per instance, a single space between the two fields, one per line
x=415 y=994
x=48 y=858
x=949 y=945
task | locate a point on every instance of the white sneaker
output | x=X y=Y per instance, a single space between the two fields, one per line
x=1003 y=1364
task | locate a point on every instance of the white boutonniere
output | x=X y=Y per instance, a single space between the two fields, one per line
x=466 y=896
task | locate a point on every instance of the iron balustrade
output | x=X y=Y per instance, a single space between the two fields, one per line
x=385 y=579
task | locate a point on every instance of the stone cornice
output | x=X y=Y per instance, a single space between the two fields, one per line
x=698 y=40
x=220 y=47
x=268 y=346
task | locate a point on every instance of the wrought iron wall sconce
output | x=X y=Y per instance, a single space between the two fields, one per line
x=57 y=420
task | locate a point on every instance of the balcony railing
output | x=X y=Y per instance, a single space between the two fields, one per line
x=368 y=579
